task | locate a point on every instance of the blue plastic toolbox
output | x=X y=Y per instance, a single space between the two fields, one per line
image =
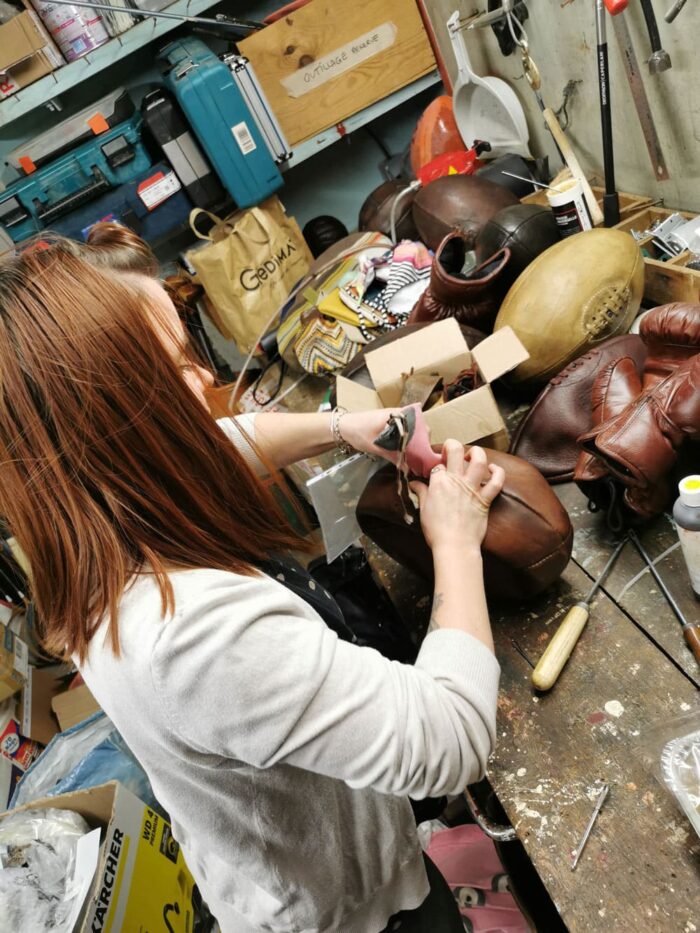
x=75 y=178
x=217 y=111
x=152 y=205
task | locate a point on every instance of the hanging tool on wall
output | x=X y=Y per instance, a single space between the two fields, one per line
x=225 y=24
x=563 y=642
x=673 y=12
x=611 y=201
x=639 y=96
x=659 y=60
x=691 y=630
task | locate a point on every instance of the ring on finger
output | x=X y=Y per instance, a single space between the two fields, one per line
x=438 y=468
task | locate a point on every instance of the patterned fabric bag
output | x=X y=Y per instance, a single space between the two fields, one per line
x=320 y=332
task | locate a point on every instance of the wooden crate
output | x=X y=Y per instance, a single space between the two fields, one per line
x=664 y=280
x=629 y=203
x=330 y=58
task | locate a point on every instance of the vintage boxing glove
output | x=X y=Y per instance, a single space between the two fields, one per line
x=640 y=445
x=547 y=437
x=672 y=335
x=614 y=388
x=472 y=298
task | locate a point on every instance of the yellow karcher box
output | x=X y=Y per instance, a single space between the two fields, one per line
x=141 y=882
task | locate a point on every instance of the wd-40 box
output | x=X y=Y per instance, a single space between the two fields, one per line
x=111 y=159
x=224 y=125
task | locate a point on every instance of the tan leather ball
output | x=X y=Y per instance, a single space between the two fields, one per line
x=575 y=295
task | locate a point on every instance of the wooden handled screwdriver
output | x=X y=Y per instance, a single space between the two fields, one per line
x=557 y=652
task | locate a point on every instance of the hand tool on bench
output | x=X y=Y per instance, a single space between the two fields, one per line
x=691 y=630
x=557 y=652
x=584 y=839
x=639 y=96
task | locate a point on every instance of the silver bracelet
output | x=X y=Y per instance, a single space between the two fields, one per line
x=340 y=441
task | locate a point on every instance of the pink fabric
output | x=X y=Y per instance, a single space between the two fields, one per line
x=468 y=861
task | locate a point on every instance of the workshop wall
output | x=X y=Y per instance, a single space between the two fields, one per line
x=563 y=44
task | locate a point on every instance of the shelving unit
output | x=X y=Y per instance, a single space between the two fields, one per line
x=319 y=142
x=90 y=65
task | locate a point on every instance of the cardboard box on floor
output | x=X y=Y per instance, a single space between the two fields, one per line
x=440 y=349
x=141 y=881
x=27 y=53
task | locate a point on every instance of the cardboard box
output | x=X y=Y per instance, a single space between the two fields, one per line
x=141 y=881
x=442 y=351
x=329 y=59
x=14 y=663
x=74 y=706
x=27 y=53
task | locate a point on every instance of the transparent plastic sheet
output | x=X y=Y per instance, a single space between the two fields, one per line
x=335 y=494
x=671 y=751
x=40 y=889
x=90 y=753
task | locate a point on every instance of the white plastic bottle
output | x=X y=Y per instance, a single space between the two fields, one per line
x=686 y=513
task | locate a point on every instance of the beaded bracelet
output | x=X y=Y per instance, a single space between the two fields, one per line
x=340 y=441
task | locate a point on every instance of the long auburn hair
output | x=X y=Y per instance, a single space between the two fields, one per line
x=109 y=464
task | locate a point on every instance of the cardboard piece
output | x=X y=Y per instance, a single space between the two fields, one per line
x=74 y=706
x=27 y=52
x=441 y=349
x=41 y=724
x=142 y=882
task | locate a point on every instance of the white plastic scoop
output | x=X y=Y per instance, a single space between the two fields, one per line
x=485 y=107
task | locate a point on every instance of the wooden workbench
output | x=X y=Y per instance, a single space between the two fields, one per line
x=630 y=670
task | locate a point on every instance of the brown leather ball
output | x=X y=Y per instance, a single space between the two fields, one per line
x=457 y=202
x=528 y=541
x=375 y=213
x=526 y=229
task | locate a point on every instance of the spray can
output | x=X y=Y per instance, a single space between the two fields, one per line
x=686 y=513
x=569 y=207
x=75 y=30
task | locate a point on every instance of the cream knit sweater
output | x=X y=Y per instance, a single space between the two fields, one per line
x=284 y=755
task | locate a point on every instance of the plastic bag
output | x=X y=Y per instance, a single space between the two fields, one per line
x=335 y=494
x=90 y=753
x=671 y=751
x=38 y=858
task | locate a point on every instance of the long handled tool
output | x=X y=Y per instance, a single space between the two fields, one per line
x=575 y=856
x=222 y=22
x=557 y=652
x=691 y=630
x=611 y=202
x=639 y=96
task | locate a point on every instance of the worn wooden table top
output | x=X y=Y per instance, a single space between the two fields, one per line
x=630 y=671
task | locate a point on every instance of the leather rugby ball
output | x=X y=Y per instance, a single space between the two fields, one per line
x=576 y=294
x=526 y=229
x=528 y=541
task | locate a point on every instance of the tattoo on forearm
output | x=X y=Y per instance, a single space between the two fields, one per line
x=437 y=602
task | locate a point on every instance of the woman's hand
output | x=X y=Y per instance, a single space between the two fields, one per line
x=360 y=429
x=454 y=506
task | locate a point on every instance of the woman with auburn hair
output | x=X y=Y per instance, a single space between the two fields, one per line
x=283 y=753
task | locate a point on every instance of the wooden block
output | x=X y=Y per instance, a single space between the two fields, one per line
x=330 y=59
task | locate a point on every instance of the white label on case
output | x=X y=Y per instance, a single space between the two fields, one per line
x=154 y=193
x=336 y=63
x=245 y=141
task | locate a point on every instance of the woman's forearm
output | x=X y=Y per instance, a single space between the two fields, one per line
x=286 y=438
x=459 y=600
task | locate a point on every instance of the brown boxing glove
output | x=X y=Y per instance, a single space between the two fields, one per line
x=472 y=298
x=639 y=446
x=614 y=388
x=672 y=335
